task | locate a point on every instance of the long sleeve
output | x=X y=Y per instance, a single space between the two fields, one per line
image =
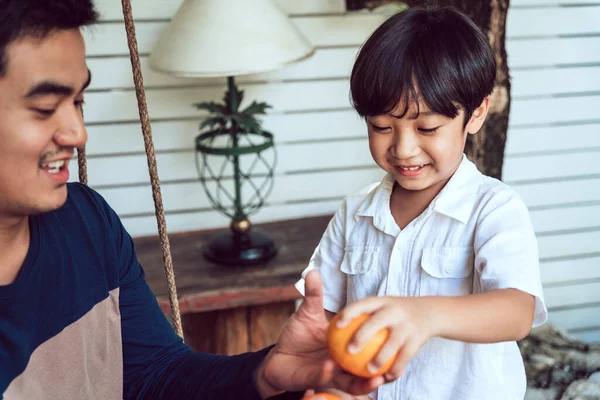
x=156 y=363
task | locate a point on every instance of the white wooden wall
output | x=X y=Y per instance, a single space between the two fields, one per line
x=552 y=151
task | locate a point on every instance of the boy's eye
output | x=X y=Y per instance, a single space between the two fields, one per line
x=379 y=128
x=428 y=130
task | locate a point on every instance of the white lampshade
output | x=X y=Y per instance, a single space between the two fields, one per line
x=217 y=38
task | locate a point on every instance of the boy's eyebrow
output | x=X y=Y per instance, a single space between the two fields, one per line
x=416 y=115
x=49 y=88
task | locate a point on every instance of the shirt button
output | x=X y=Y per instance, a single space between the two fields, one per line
x=447 y=270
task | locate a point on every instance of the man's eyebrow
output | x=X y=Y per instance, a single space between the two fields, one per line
x=54 y=88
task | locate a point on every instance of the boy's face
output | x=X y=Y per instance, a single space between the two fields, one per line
x=423 y=150
x=40 y=124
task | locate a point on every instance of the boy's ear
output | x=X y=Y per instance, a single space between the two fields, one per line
x=478 y=116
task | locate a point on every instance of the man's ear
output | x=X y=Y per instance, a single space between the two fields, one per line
x=478 y=116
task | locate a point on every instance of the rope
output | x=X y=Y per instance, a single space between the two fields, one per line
x=81 y=161
x=147 y=131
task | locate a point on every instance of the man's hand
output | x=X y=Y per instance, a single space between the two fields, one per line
x=300 y=359
x=338 y=393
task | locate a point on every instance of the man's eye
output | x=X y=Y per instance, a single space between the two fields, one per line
x=44 y=111
x=79 y=103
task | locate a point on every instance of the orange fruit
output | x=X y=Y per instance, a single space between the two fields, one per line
x=356 y=364
x=326 y=396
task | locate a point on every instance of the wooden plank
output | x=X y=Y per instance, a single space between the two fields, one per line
x=336 y=63
x=566 y=218
x=552 y=110
x=590 y=335
x=550 y=166
x=292 y=158
x=558 y=193
x=353 y=28
x=521 y=141
x=114 y=139
x=572 y=295
x=218 y=332
x=121 y=106
x=552 y=21
x=182 y=196
x=553 y=51
x=546 y=82
x=569 y=245
x=179 y=134
x=109 y=39
x=558 y=271
x=184 y=222
x=115 y=72
x=165 y=9
x=577 y=318
x=265 y=323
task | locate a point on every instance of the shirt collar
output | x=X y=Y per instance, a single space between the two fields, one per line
x=456 y=200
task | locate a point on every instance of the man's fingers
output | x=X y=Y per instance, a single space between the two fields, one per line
x=313 y=293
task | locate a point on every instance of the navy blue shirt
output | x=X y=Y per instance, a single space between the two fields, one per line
x=80 y=321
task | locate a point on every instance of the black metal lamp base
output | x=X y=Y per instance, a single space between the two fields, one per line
x=235 y=248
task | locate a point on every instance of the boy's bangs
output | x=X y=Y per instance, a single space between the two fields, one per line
x=397 y=82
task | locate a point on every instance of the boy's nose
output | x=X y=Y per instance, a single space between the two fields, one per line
x=405 y=146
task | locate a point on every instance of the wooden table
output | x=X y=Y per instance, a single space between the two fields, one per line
x=233 y=309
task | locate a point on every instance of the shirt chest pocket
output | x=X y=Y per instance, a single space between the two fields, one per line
x=361 y=266
x=447 y=271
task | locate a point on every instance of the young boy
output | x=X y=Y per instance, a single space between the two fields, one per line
x=441 y=255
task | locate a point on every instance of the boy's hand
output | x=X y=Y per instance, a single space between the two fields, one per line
x=410 y=324
x=300 y=359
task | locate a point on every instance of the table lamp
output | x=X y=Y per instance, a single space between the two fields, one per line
x=228 y=38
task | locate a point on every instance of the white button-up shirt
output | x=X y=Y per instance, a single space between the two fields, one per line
x=475 y=236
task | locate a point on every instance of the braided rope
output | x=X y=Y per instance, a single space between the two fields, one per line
x=81 y=160
x=156 y=194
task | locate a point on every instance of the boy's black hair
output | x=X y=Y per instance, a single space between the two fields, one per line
x=38 y=18
x=436 y=56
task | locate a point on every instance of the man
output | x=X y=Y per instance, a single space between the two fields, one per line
x=78 y=320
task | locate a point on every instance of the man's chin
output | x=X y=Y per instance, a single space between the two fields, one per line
x=52 y=203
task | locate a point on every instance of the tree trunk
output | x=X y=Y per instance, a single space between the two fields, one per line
x=485 y=149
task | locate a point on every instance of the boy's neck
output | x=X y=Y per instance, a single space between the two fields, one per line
x=14 y=245
x=406 y=205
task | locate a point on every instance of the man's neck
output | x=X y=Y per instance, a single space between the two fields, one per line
x=14 y=244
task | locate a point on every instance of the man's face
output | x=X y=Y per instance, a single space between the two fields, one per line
x=40 y=122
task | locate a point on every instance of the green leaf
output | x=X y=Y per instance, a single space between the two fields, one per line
x=211 y=107
x=247 y=122
x=256 y=108
x=212 y=122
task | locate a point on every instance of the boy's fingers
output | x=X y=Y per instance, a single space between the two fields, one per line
x=364 y=306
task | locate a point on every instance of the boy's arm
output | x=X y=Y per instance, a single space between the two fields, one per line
x=496 y=316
